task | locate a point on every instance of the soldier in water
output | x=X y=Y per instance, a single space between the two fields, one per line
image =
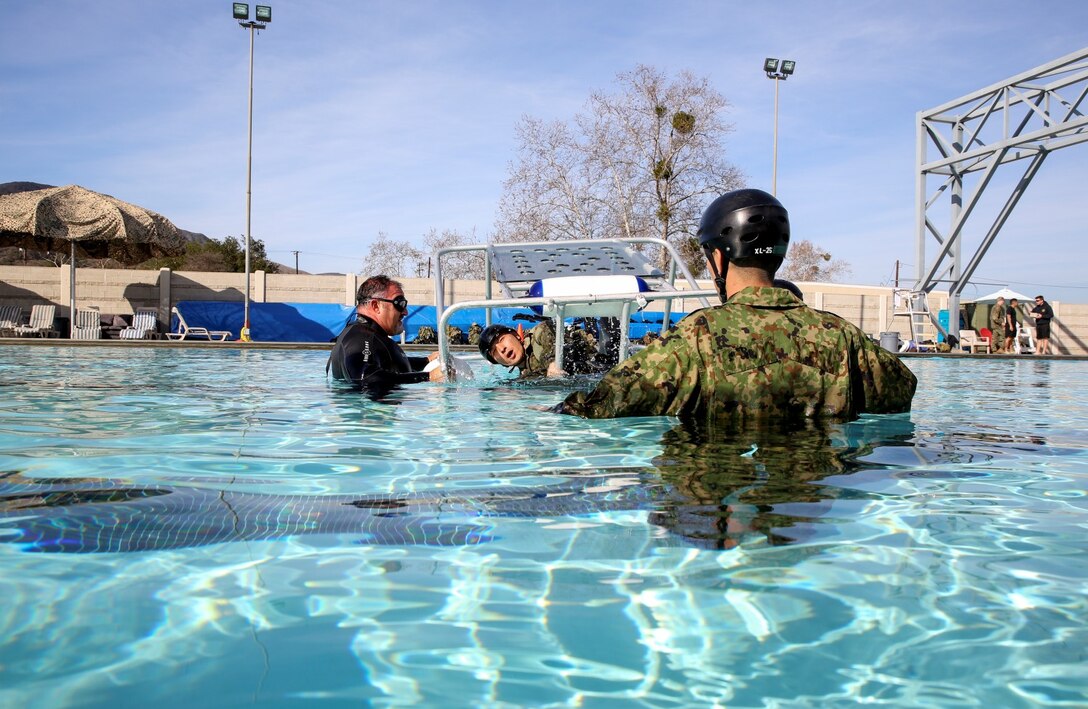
x=762 y=352
x=533 y=352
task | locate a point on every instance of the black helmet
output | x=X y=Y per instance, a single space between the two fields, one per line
x=745 y=223
x=741 y=224
x=490 y=336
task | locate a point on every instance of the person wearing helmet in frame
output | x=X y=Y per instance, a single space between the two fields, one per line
x=533 y=352
x=365 y=354
x=762 y=352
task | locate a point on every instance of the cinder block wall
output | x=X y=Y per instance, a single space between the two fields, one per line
x=123 y=291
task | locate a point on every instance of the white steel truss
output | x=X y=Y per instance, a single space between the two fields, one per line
x=1023 y=118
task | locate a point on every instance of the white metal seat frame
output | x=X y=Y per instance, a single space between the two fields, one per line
x=517 y=266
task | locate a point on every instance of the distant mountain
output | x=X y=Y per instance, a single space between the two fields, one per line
x=15 y=187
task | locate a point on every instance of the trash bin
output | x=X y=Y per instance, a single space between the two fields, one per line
x=890 y=341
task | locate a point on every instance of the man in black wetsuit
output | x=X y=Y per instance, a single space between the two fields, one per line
x=365 y=353
x=1043 y=314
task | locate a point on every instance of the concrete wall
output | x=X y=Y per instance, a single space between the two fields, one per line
x=123 y=291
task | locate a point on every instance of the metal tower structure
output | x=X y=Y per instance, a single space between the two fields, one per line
x=1020 y=120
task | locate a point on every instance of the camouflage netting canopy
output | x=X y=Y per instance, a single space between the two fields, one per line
x=57 y=218
x=86 y=223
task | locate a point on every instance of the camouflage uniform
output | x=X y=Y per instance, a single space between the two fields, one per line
x=997 y=327
x=763 y=353
x=426 y=336
x=474 y=332
x=579 y=351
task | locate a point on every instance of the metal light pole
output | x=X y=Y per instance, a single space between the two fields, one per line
x=770 y=65
x=263 y=16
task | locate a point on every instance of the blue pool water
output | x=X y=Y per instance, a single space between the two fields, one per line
x=218 y=528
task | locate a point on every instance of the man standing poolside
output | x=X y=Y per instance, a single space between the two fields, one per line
x=1012 y=325
x=1043 y=314
x=997 y=325
x=365 y=353
x=762 y=352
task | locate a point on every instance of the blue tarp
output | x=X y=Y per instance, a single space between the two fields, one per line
x=322 y=322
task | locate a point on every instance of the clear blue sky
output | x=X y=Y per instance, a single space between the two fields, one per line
x=398 y=116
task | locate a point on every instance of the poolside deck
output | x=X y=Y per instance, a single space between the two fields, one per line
x=201 y=344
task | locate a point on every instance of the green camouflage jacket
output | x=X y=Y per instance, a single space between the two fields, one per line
x=762 y=353
x=579 y=351
x=539 y=350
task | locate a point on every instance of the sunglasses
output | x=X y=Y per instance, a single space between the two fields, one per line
x=400 y=302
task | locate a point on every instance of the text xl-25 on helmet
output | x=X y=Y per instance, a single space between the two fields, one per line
x=742 y=224
x=490 y=336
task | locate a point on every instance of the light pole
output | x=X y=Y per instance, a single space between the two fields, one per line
x=771 y=66
x=263 y=16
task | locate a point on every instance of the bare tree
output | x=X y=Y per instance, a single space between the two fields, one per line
x=808 y=262
x=642 y=162
x=551 y=194
x=457 y=264
x=397 y=259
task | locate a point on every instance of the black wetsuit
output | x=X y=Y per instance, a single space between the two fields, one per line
x=368 y=358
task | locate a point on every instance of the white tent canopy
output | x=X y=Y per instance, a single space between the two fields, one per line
x=980 y=318
x=1005 y=293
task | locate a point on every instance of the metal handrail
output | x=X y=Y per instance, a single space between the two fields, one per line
x=558 y=303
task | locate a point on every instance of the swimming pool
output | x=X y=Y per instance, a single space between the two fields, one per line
x=457 y=546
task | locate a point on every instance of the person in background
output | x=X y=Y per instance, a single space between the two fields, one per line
x=366 y=355
x=997 y=325
x=1043 y=314
x=762 y=353
x=1012 y=324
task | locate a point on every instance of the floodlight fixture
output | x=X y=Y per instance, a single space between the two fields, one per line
x=264 y=13
x=241 y=11
x=777 y=71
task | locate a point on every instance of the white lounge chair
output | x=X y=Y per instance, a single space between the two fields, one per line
x=11 y=317
x=184 y=330
x=145 y=325
x=972 y=342
x=88 y=325
x=41 y=322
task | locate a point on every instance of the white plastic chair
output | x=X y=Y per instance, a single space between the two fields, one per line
x=971 y=342
x=1024 y=342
